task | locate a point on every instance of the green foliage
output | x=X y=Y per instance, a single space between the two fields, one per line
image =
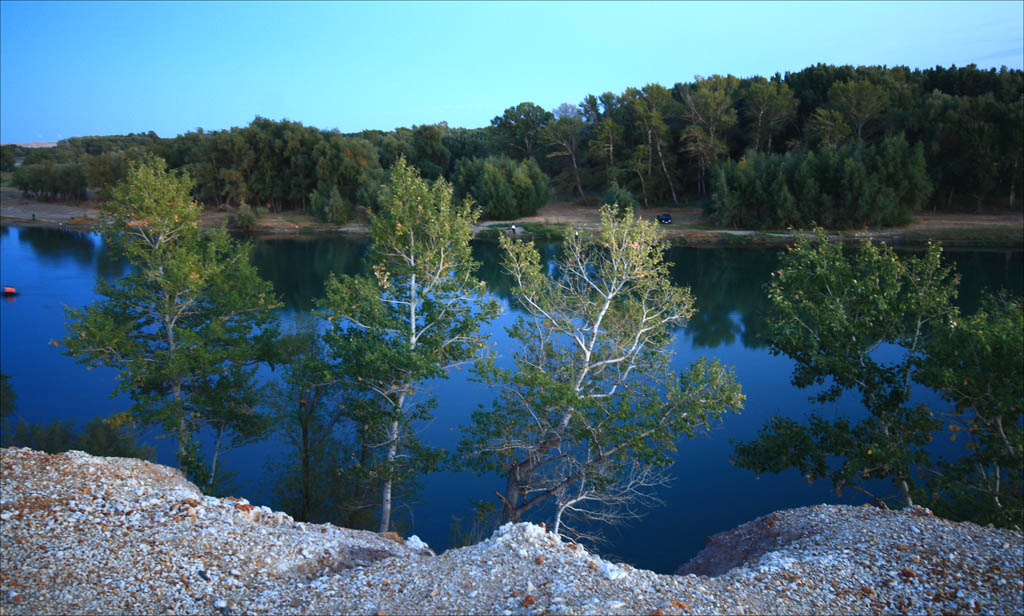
x=520 y=127
x=591 y=387
x=244 y=219
x=332 y=209
x=328 y=475
x=851 y=187
x=9 y=155
x=186 y=328
x=831 y=312
x=977 y=363
x=770 y=107
x=110 y=437
x=658 y=142
x=505 y=189
x=51 y=182
x=859 y=102
x=617 y=195
x=416 y=317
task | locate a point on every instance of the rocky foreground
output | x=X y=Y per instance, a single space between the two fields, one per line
x=82 y=534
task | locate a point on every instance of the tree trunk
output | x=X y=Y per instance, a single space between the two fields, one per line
x=1013 y=184
x=385 y=500
x=558 y=521
x=576 y=169
x=643 y=187
x=306 y=484
x=667 y=177
x=510 y=509
x=905 y=490
x=213 y=464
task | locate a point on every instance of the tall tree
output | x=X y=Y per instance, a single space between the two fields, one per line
x=770 y=107
x=708 y=109
x=831 y=312
x=591 y=389
x=520 y=127
x=417 y=317
x=186 y=327
x=827 y=128
x=977 y=363
x=564 y=135
x=859 y=101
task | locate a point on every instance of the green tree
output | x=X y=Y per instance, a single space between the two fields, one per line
x=323 y=481
x=770 y=106
x=591 y=389
x=505 y=188
x=827 y=128
x=977 y=363
x=520 y=128
x=708 y=108
x=111 y=437
x=859 y=101
x=831 y=312
x=186 y=327
x=414 y=319
x=565 y=135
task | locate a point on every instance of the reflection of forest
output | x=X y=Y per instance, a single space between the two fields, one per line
x=298 y=268
x=725 y=281
x=54 y=245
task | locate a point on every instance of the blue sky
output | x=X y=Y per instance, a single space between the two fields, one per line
x=77 y=68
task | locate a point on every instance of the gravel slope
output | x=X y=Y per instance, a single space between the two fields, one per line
x=81 y=534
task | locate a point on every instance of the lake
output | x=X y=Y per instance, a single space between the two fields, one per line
x=52 y=268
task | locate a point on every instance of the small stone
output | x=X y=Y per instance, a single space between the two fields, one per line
x=220 y=604
x=528 y=600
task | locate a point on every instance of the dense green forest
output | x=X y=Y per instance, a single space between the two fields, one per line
x=842 y=146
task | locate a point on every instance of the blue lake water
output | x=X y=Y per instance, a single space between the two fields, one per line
x=52 y=268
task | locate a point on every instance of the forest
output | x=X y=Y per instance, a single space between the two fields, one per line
x=840 y=146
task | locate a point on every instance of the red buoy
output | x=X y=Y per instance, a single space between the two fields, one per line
x=10 y=291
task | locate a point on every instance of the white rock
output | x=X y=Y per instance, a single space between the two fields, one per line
x=417 y=544
x=611 y=571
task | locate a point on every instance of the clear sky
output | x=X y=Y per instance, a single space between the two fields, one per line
x=80 y=68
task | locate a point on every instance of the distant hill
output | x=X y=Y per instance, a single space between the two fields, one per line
x=34 y=144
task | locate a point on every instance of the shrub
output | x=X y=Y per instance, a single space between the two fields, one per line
x=620 y=195
x=332 y=209
x=101 y=437
x=244 y=219
x=504 y=188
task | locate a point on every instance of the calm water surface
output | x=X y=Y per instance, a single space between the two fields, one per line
x=52 y=268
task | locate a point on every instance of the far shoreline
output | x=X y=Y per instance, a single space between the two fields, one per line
x=689 y=227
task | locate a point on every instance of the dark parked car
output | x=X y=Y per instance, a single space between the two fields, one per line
x=665 y=219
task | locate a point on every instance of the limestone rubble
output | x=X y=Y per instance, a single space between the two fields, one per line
x=82 y=534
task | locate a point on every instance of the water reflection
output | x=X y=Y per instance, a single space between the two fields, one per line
x=54 y=245
x=298 y=267
x=727 y=287
x=84 y=249
x=985 y=269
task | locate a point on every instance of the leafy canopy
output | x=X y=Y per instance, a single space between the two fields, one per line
x=187 y=325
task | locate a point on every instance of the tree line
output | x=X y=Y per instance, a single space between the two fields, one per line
x=730 y=144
